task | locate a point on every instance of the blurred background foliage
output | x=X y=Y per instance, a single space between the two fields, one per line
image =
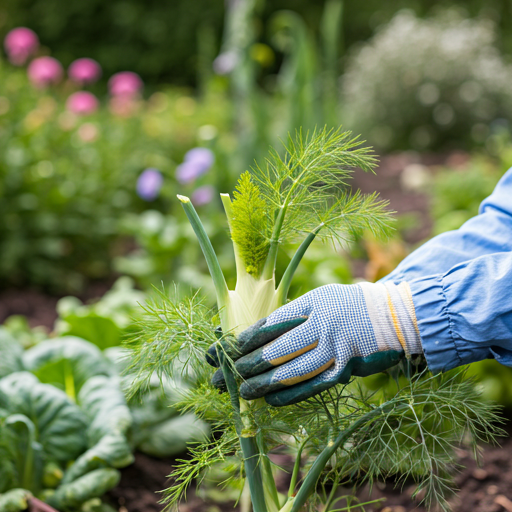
x=162 y=41
x=71 y=208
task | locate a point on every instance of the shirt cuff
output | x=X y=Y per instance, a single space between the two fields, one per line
x=433 y=320
x=442 y=349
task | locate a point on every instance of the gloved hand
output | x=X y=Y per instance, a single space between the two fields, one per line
x=322 y=339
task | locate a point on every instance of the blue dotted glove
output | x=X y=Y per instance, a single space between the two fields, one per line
x=322 y=339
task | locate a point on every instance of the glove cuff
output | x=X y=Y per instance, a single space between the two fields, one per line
x=392 y=314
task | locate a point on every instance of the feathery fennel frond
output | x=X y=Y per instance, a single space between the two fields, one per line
x=308 y=180
x=351 y=214
x=208 y=404
x=249 y=225
x=174 y=335
x=202 y=458
x=296 y=194
x=416 y=438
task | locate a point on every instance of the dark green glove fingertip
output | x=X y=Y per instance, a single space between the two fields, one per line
x=218 y=381
x=211 y=356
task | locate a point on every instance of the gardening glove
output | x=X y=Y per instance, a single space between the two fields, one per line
x=322 y=339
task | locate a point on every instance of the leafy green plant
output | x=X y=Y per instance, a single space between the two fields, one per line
x=344 y=435
x=105 y=322
x=66 y=426
x=44 y=431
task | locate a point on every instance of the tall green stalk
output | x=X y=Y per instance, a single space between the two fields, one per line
x=248 y=443
x=221 y=288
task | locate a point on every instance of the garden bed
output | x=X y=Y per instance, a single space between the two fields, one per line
x=483 y=488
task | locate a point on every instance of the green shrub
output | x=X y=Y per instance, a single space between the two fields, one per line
x=427 y=83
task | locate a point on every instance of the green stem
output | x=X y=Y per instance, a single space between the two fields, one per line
x=249 y=445
x=309 y=484
x=296 y=468
x=253 y=472
x=219 y=282
x=286 y=280
x=332 y=494
x=287 y=506
x=69 y=381
x=270 y=262
x=268 y=477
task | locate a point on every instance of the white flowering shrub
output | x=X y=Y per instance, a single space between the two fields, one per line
x=427 y=83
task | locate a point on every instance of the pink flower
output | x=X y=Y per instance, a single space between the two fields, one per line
x=44 y=71
x=125 y=83
x=20 y=43
x=82 y=103
x=84 y=71
x=202 y=195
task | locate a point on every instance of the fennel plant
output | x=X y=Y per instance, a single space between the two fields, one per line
x=342 y=436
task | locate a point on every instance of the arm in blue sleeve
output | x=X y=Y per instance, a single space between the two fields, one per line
x=487 y=233
x=465 y=315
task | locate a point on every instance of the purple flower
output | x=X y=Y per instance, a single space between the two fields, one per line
x=149 y=184
x=197 y=161
x=44 y=71
x=202 y=195
x=125 y=83
x=20 y=43
x=225 y=63
x=84 y=71
x=82 y=103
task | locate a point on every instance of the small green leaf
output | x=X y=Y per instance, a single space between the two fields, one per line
x=66 y=362
x=97 y=329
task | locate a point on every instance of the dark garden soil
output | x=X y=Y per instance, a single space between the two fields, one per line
x=38 y=307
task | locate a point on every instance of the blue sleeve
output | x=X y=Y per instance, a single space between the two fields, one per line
x=487 y=233
x=465 y=314
x=461 y=283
